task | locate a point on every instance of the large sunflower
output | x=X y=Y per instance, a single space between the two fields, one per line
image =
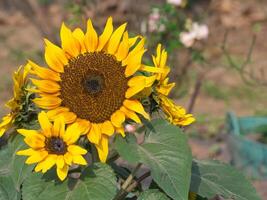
x=15 y=104
x=92 y=79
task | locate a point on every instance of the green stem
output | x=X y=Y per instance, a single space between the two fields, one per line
x=123 y=191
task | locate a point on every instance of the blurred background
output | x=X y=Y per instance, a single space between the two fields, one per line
x=217 y=54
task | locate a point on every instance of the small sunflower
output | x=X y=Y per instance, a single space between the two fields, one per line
x=175 y=114
x=19 y=92
x=93 y=79
x=53 y=145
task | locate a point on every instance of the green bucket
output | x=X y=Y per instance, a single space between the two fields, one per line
x=246 y=154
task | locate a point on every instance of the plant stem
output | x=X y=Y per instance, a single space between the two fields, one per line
x=123 y=191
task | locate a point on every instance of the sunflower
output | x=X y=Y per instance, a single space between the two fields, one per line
x=19 y=91
x=93 y=79
x=175 y=114
x=53 y=145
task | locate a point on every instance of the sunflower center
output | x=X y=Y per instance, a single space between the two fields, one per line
x=94 y=83
x=55 y=145
x=93 y=86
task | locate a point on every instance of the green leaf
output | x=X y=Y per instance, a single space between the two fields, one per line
x=166 y=152
x=7 y=189
x=152 y=195
x=13 y=169
x=96 y=182
x=210 y=178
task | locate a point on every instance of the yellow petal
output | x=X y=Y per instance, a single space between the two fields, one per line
x=130 y=114
x=76 y=150
x=102 y=148
x=26 y=152
x=136 y=106
x=118 y=118
x=53 y=114
x=60 y=161
x=45 y=124
x=35 y=141
x=47 y=86
x=123 y=48
x=91 y=38
x=120 y=131
x=134 y=63
x=78 y=159
x=133 y=40
x=55 y=57
x=115 y=39
x=84 y=126
x=79 y=35
x=62 y=172
x=69 y=43
x=68 y=158
x=46 y=102
x=139 y=47
x=94 y=134
x=107 y=128
x=59 y=127
x=136 y=84
x=104 y=37
x=72 y=133
x=46 y=164
x=36 y=157
x=44 y=73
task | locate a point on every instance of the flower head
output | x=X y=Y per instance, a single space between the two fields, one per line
x=19 y=92
x=175 y=114
x=92 y=79
x=53 y=145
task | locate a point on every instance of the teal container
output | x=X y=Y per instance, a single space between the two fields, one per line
x=246 y=154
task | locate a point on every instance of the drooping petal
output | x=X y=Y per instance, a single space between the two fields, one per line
x=94 y=134
x=69 y=43
x=68 y=158
x=104 y=37
x=118 y=118
x=62 y=172
x=78 y=159
x=47 y=86
x=107 y=128
x=84 y=125
x=102 y=148
x=60 y=161
x=46 y=164
x=130 y=114
x=136 y=106
x=136 y=84
x=46 y=102
x=44 y=73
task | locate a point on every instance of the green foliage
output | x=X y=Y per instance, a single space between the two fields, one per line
x=152 y=195
x=96 y=182
x=13 y=170
x=210 y=178
x=166 y=152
